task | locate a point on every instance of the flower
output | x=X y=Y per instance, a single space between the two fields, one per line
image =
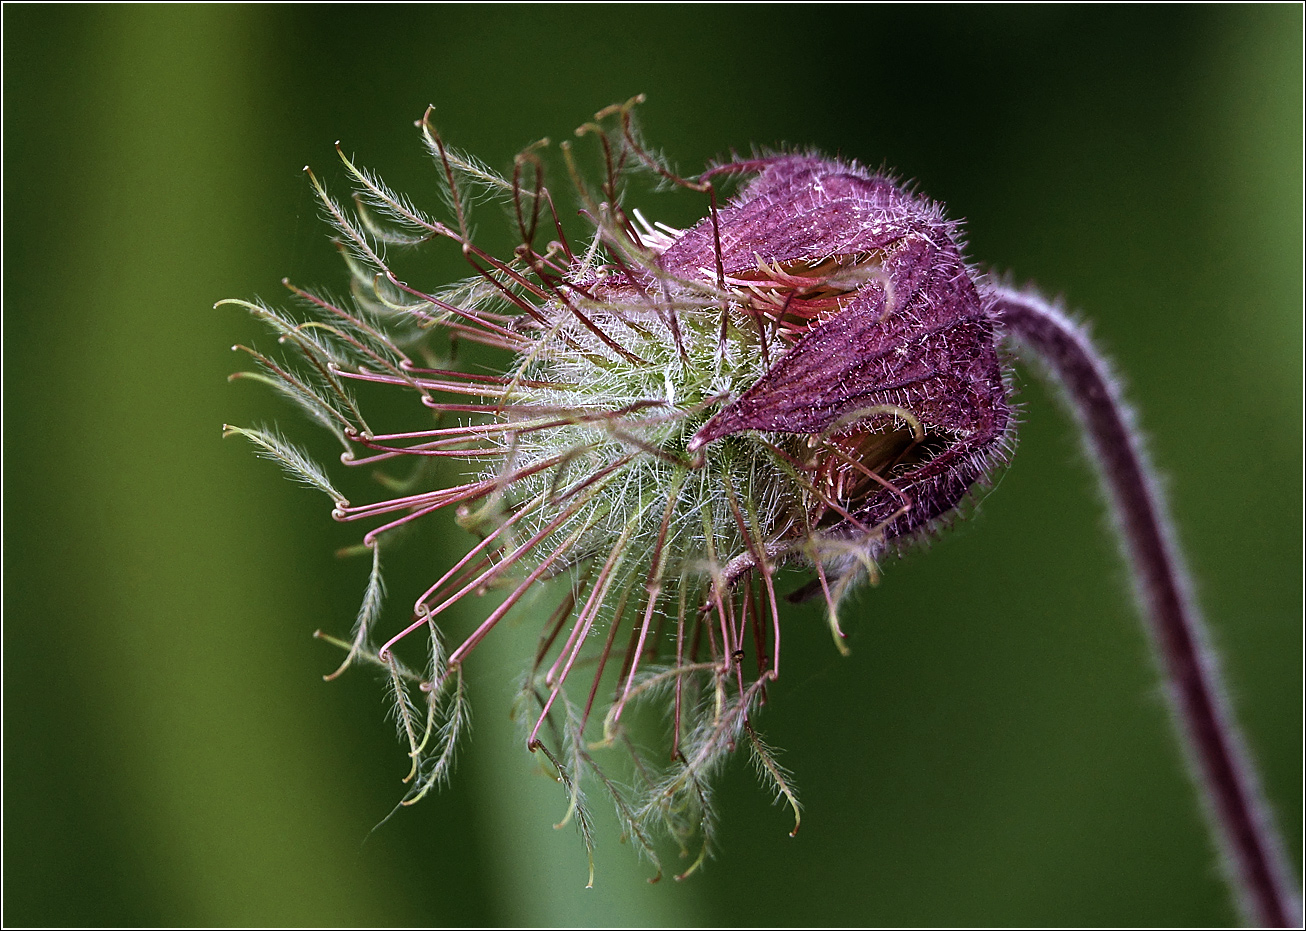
x=807 y=377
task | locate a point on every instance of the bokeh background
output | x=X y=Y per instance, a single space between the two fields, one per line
x=996 y=750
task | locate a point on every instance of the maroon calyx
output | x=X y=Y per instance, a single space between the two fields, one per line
x=909 y=350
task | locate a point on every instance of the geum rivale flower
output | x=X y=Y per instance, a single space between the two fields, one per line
x=806 y=377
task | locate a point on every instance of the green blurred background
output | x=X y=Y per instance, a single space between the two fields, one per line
x=996 y=750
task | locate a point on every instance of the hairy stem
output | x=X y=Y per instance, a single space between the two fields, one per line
x=1255 y=861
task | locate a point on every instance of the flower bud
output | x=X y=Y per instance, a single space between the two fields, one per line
x=807 y=378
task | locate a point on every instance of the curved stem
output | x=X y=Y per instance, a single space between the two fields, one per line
x=1254 y=857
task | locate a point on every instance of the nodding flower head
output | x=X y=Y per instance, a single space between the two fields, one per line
x=807 y=378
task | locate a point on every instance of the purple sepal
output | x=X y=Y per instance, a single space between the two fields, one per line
x=915 y=333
